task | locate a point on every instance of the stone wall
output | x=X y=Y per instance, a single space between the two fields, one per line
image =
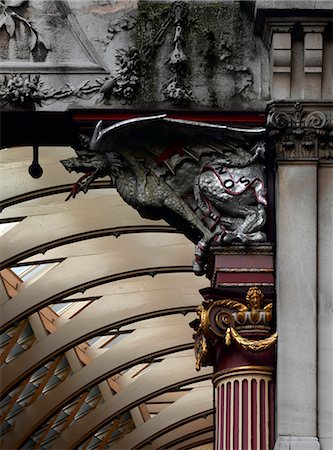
x=142 y=54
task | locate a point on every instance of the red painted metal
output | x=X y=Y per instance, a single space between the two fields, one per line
x=221 y=424
x=228 y=416
x=245 y=415
x=263 y=427
x=244 y=261
x=236 y=430
x=231 y=356
x=271 y=393
x=254 y=415
x=244 y=277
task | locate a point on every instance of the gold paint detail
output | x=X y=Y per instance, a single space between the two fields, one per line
x=218 y=321
x=228 y=337
x=252 y=345
x=254 y=298
x=201 y=351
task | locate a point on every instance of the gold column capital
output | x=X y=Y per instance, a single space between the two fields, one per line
x=228 y=320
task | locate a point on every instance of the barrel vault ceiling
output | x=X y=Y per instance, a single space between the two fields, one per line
x=96 y=351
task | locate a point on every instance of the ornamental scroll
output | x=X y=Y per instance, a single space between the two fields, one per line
x=229 y=320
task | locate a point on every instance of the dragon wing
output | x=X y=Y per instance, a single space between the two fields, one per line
x=169 y=127
x=170 y=142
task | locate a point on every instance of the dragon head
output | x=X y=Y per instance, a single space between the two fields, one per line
x=91 y=164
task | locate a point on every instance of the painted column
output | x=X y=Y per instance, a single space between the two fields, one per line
x=245 y=413
x=303 y=137
x=233 y=333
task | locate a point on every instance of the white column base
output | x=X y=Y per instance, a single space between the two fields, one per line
x=297 y=443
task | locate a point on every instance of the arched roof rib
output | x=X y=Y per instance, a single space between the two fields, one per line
x=202 y=435
x=168 y=374
x=79 y=234
x=109 y=244
x=55 y=179
x=106 y=313
x=190 y=433
x=137 y=347
x=59 y=229
x=195 y=404
x=54 y=201
x=80 y=273
x=48 y=191
x=77 y=237
x=197 y=442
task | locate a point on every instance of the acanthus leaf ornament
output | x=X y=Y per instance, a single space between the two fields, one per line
x=301 y=132
x=9 y=18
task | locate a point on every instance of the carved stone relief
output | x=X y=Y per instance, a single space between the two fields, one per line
x=10 y=20
x=116 y=26
x=209 y=187
x=228 y=58
x=301 y=132
x=126 y=82
x=29 y=90
x=177 y=88
x=155 y=54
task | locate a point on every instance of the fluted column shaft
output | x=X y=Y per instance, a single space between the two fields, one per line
x=245 y=411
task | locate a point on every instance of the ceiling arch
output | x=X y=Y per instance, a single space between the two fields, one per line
x=197 y=403
x=23 y=242
x=137 y=347
x=106 y=313
x=18 y=160
x=172 y=372
x=194 y=431
x=80 y=273
x=79 y=237
x=202 y=442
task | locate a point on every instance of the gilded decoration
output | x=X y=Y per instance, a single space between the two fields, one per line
x=226 y=319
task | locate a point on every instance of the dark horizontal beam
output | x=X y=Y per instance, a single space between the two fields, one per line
x=27 y=128
x=36 y=128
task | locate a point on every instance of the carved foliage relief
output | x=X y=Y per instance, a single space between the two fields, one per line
x=300 y=133
x=13 y=22
x=152 y=53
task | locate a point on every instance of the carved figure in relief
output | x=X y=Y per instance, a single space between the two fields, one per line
x=206 y=180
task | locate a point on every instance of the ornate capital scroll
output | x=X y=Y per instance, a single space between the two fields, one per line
x=301 y=130
x=246 y=322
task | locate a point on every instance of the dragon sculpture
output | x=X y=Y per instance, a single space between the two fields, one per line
x=206 y=180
